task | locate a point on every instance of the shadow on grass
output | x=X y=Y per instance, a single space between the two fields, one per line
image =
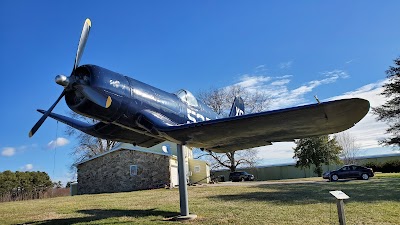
x=99 y=214
x=296 y=194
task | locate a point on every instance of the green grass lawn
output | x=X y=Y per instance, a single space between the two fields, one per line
x=376 y=201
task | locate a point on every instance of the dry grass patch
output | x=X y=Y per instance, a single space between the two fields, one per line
x=376 y=201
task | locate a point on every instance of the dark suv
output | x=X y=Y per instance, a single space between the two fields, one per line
x=349 y=171
x=240 y=176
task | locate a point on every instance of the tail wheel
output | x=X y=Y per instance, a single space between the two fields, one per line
x=242 y=179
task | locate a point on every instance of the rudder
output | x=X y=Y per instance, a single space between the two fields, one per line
x=237 y=107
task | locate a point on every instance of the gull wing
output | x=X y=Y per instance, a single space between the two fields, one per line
x=260 y=129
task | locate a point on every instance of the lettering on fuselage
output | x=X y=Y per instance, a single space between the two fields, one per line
x=194 y=116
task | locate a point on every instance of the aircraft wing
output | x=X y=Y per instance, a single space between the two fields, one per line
x=260 y=129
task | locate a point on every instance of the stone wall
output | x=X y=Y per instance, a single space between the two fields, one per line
x=111 y=172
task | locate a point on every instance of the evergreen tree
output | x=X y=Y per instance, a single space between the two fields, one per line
x=23 y=185
x=57 y=184
x=316 y=151
x=390 y=111
x=68 y=185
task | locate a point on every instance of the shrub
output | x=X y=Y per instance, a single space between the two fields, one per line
x=392 y=166
x=374 y=166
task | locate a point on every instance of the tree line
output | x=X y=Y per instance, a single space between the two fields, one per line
x=18 y=185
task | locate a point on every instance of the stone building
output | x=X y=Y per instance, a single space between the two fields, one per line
x=130 y=168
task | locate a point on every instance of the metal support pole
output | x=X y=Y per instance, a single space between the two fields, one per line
x=182 y=171
x=340 y=210
x=183 y=194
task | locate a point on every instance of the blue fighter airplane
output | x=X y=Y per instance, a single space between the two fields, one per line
x=130 y=111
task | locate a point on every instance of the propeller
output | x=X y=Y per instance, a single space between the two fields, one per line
x=43 y=118
x=69 y=82
x=82 y=42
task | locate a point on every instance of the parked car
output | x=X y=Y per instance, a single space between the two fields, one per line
x=349 y=171
x=240 y=176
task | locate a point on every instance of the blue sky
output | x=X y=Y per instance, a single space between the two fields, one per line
x=292 y=50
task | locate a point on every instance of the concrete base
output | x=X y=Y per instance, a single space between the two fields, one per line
x=183 y=218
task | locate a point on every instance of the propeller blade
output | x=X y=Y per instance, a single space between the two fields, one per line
x=82 y=41
x=95 y=96
x=43 y=118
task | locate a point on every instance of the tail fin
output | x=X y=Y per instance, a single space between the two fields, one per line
x=237 y=107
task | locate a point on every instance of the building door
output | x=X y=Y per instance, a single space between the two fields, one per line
x=174 y=175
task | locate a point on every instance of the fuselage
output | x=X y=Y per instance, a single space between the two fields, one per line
x=133 y=101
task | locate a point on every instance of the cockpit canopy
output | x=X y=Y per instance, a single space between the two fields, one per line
x=187 y=97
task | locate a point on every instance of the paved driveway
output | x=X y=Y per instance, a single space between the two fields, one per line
x=255 y=183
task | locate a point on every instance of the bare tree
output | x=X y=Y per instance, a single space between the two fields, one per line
x=230 y=160
x=350 y=148
x=220 y=100
x=87 y=146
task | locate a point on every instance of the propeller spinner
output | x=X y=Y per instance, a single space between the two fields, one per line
x=69 y=84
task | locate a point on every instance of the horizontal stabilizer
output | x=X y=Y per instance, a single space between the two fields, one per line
x=77 y=124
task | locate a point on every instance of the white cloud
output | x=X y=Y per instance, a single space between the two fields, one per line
x=284 y=77
x=331 y=77
x=335 y=74
x=368 y=131
x=277 y=87
x=8 y=151
x=249 y=81
x=286 y=65
x=57 y=143
x=261 y=68
x=27 y=167
x=277 y=150
x=280 y=82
